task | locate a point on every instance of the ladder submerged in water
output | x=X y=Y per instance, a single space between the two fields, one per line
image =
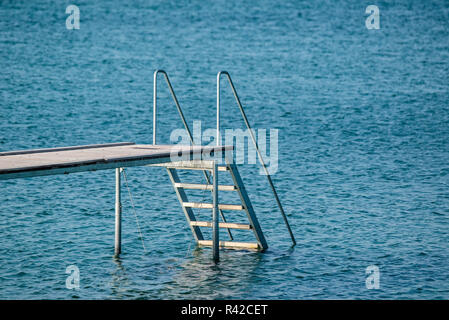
x=237 y=186
x=210 y=169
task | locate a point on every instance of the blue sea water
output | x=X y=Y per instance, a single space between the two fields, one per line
x=363 y=120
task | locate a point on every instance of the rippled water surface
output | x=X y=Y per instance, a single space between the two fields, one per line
x=363 y=119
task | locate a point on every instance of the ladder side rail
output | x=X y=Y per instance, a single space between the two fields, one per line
x=188 y=212
x=245 y=119
x=248 y=206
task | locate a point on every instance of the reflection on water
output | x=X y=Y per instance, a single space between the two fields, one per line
x=119 y=280
x=193 y=277
x=198 y=277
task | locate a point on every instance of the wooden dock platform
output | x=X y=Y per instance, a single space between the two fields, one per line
x=65 y=160
x=41 y=162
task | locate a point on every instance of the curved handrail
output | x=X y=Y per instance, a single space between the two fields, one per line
x=206 y=175
x=270 y=181
x=174 y=99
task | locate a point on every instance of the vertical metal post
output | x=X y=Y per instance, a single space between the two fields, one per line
x=245 y=119
x=215 y=226
x=118 y=214
x=154 y=105
x=218 y=108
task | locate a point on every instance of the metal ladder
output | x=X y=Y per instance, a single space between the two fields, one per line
x=237 y=186
x=211 y=169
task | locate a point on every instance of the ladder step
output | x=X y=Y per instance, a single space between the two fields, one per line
x=231 y=244
x=221 y=225
x=198 y=186
x=190 y=165
x=200 y=205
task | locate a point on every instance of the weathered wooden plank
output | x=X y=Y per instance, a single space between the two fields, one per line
x=191 y=165
x=198 y=186
x=232 y=244
x=188 y=165
x=230 y=225
x=23 y=164
x=202 y=205
x=90 y=146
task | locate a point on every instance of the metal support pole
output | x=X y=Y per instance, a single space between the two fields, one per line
x=215 y=226
x=118 y=214
x=154 y=105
